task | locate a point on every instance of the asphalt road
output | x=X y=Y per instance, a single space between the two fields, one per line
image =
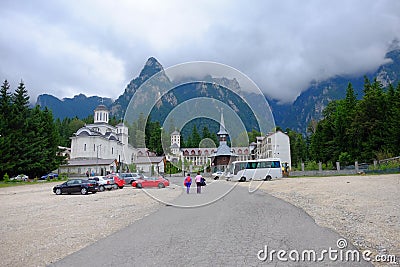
x=223 y=226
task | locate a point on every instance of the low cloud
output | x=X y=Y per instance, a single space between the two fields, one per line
x=97 y=47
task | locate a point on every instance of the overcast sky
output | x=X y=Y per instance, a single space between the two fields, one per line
x=96 y=47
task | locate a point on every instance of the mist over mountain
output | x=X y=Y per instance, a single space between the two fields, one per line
x=297 y=115
x=310 y=104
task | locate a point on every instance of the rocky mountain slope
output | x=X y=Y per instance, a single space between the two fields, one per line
x=309 y=105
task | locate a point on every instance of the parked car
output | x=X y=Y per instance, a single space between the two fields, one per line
x=104 y=183
x=129 y=177
x=21 y=177
x=159 y=182
x=218 y=174
x=118 y=181
x=49 y=176
x=83 y=186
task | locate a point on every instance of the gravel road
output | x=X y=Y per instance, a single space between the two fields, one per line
x=217 y=229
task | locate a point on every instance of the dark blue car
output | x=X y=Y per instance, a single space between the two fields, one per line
x=83 y=186
x=49 y=176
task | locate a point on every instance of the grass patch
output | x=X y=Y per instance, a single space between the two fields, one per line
x=32 y=182
x=9 y=184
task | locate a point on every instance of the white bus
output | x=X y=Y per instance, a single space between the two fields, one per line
x=260 y=169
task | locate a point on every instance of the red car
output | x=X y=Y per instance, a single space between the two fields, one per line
x=118 y=181
x=159 y=182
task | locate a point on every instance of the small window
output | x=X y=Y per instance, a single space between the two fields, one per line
x=276 y=164
x=251 y=165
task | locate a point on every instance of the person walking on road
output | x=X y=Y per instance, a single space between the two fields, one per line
x=198 y=182
x=188 y=183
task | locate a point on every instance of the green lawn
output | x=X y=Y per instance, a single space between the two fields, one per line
x=18 y=183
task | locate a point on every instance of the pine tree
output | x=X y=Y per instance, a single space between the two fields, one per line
x=153 y=137
x=205 y=133
x=323 y=147
x=5 y=134
x=196 y=139
x=392 y=143
x=395 y=120
x=368 y=125
x=5 y=101
x=35 y=151
x=18 y=127
x=52 y=138
x=298 y=147
x=349 y=138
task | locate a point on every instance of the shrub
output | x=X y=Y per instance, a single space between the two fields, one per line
x=311 y=166
x=344 y=159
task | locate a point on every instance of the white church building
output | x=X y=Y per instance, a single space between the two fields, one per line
x=99 y=147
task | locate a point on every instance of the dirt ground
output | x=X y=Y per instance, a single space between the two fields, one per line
x=38 y=227
x=363 y=209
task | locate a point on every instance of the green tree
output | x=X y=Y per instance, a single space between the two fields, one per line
x=31 y=138
x=18 y=128
x=138 y=132
x=195 y=137
x=188 y=142
x=349 y=110
x=5 y=134
x=323 y=147
x=205 y=133
x=153 y=137
x=360 y=130
x=166 y=141
x=298 y=147
x=253 y=135
x=369 y=121
x=113 y=121
x=392 y=144
x=42 y=153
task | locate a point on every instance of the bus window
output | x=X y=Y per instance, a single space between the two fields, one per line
x=275 y=164
x=251 y=165
x=262 y=164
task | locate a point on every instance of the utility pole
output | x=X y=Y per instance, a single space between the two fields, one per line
x=97 y=160
x=119 y=164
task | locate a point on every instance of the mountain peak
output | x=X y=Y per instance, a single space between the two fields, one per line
x=152 y=61
x=151 y=67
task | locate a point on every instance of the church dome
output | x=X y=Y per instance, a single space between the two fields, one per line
x=101 y=114
x=101 y=107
